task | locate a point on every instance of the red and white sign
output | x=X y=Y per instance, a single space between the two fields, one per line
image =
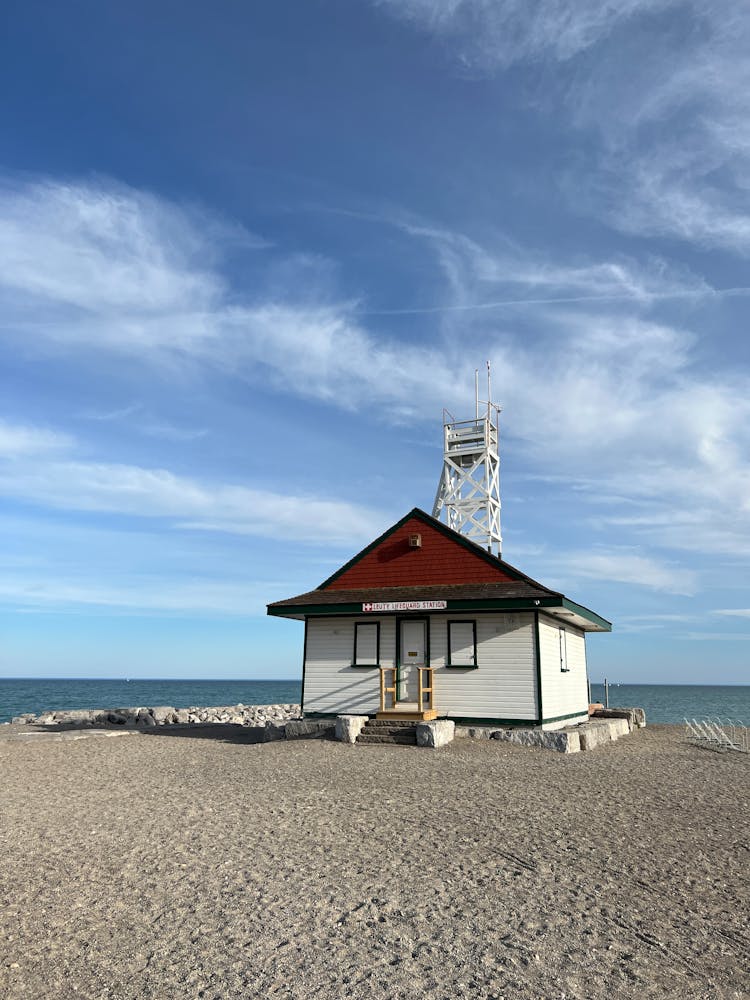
x=406 y=606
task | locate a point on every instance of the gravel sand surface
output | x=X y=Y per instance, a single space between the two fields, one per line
x=191 y=865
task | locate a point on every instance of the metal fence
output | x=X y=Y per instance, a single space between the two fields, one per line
x=722 y=735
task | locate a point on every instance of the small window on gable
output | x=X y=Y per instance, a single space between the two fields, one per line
x=462 y=644
x=564 y=651
x=366 y=644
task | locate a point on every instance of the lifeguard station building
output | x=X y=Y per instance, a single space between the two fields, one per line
x=424 y=623
x=428 y=622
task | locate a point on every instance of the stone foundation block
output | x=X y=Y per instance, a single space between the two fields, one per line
x=559 y=740
x=562 y=741
x=618 y=728
x=348 y=727
x=636 y=716
x=438 y=733
x=593 y=734
x=310 y=729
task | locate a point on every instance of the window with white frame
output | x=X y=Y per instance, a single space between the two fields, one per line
x=564 y=651
x=462 y=644
x=366 y=644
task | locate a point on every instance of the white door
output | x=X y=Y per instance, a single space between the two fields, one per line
x=412 y=656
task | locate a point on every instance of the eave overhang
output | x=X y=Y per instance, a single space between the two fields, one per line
x=556 y=606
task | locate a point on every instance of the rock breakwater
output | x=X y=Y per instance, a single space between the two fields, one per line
x=165 y=715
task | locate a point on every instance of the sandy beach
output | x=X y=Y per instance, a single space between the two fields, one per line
x=197 y=865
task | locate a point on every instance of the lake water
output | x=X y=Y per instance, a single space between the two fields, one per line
x=31 y=695
x=662 y=702
x=675 y=702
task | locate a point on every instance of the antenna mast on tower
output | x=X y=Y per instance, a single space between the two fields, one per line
x=469 y=488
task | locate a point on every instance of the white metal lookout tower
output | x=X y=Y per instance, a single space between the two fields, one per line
x=469 y=488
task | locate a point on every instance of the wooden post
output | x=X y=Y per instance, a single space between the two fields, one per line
x=420 y=690
x=382 y=689
x=606 y=693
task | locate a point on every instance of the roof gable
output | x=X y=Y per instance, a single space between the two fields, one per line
x=445 y=557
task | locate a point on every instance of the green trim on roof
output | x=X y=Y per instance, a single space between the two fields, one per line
x=591 y=616
x=449 y=533
x=485 y=604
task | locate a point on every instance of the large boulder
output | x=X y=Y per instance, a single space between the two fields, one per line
x=438 y=733
x=164 y=714
x=348 y=727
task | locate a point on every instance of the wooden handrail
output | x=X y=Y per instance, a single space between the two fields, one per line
x=424 y=689
x=384 y=689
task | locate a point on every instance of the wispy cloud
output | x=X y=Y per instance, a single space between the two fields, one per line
x=652 y=622
x=139 y=594
x=733 y=612
x=716 y=636
x=140 y=420
x=620 y=566
x=17 y=440
x=489 y=34
x=67 y=484
x=674 y=140
x=622 y=407
x=481 y=278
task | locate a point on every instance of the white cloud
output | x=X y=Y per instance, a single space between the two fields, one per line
x=716 y=636
x=100 y=247
x=674 y=153
x=733 y=612
x=485 y=278
x=145 y=594
x=18 y=440
x=492 y=33
x=626 y=567
x=185 y=503
x=619 y=405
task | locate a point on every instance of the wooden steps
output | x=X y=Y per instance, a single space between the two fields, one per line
x=407 y=715
x=393 y=732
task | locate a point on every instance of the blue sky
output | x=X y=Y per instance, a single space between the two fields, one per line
x=249 y=251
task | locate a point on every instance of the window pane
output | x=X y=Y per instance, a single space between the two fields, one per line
x=461 y=639
x=367 y=644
